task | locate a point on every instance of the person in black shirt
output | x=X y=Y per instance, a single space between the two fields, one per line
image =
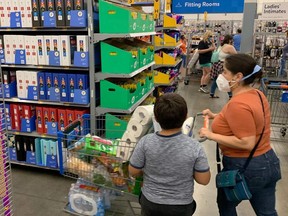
x=205 y=48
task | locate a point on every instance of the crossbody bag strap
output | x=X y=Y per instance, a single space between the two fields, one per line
x=255 y=147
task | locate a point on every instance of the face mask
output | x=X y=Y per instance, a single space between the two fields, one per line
x=223 y=84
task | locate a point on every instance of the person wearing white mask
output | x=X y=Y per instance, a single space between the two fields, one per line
x=242 y=124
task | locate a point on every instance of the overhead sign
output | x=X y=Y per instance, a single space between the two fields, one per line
x=278 y=10
x=210 y=6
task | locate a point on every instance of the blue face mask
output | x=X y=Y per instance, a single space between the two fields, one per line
x=257 y=69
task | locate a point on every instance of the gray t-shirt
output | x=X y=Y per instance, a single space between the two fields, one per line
x=168 y=163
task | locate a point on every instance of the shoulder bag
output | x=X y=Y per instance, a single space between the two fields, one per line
x=233 y=181
x=215 y=55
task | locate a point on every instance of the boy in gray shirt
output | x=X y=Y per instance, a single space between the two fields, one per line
x=170 y=162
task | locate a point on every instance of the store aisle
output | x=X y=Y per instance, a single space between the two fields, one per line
x=39 y=192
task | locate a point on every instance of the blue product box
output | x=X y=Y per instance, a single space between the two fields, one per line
x=54 y=90
x=78 y=18
x=30 y=151
x=2 y=56
x=48 y=84
x=82 y=81
x=42 y=86
x=71 y=86
x=63 y=87
x=28 y=125
x=81 y=59
x=15 y=20
x=9 y=90
x=8 y=117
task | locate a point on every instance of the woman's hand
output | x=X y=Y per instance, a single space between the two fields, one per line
x=205 y=132
x=210 y=114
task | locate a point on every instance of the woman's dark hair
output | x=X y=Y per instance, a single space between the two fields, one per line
x=239 y=31
x=242 y=63
x=170 y=111
x=227 y=39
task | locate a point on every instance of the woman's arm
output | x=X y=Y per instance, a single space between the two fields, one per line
x=244 y=143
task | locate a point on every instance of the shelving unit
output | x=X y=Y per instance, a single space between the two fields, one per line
x=269 y=39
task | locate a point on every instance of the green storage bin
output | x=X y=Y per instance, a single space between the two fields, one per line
x=117 y=18
x=115 y=127
x=149 y=82
x=150 y=23
x=118 y=59
x=116 y=97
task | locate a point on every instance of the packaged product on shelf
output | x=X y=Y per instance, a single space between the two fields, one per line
x=28 y=111
x=70 y=116
x=71 y=86
x=47 y=48
x=9 y=51
x=67 y=48
x=53 y=118
x=42 y=86
x=46 y=117
x=63 y=87
x=45 y=151
x=50 y=5
x=79 y=5
x=42 y=9
x=39 y=120
x=11 y=142
x=60 y=13
x=68 y=7
x=31 y=50
x=36 y=17
x=82 y=43
x=9 y=122
x=28 y=14
x=41 y=50
x=62 y=119
x=31 y=151
x=20 y=150
x=48 y=84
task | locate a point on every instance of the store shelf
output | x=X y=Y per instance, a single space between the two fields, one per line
x=100 y=37
x=167 y=65
x=53 y=103
x=45 y=67
x=33 y=134
x=134 y=4
x=172 y=82
x=160 y=28
x=166 y=47
x=32 y=165
x=56 y=29
x=100 y=75
x=101 y=111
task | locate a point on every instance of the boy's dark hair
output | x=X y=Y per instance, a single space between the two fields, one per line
x=170 y=111
x=242 y=63
x=227 y=39
x=239 y=31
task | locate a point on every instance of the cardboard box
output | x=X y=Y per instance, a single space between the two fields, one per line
x=21 y=84
x=63 y=87
x=39 y=120
x=41 y=50
x=8 y=44
x=82 y=81
x=6 y=77
x=46 y=118
x=71 y=86
x=28 y=48
x=68 y=7
x=62 y=119
x=82 y=43
x=36 y=18
x=16 y=116
x=28 y=111
x=42 y=86
x=70 y=116
x=33 y=50
x=60 y=12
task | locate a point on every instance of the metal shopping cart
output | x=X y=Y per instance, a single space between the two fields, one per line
x=101 y=158
x=277 y=95
x=5 y=168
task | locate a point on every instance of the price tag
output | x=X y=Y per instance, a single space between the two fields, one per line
x=156 y=9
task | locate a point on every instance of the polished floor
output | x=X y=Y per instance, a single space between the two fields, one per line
x=38 y=192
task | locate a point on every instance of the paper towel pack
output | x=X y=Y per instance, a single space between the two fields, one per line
x=144 y=114
x=126 y=146
x=136 y=129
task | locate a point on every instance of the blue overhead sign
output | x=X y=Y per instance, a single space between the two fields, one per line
x=210 y=6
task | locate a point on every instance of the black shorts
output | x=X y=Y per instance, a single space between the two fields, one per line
x=153 y=209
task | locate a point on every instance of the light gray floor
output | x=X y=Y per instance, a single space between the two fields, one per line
x=39 y=192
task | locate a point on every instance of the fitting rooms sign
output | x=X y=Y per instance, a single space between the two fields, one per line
x=209 y=6
x=275 y=10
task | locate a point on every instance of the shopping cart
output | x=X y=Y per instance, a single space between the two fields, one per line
x=101 y=158
x=277 y=95
x=5 y=167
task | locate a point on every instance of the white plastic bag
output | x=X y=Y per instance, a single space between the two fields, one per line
x=194 y=59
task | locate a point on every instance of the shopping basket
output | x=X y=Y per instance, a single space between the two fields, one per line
x=101 y=158
x=277 y=94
